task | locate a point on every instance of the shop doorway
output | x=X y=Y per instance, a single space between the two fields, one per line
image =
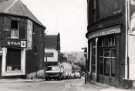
x=13 y=62
x=106 y=59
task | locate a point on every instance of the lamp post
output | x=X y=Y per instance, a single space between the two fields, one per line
x=86 y=63
x=45 y=66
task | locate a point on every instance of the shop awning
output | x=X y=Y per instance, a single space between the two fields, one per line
x=103 y=32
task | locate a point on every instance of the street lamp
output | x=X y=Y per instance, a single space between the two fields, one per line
x=45 y=66
x=86 y=63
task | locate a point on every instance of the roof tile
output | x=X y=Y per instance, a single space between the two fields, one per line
x=16 y=7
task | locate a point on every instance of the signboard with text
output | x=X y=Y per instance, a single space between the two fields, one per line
x=16 y=43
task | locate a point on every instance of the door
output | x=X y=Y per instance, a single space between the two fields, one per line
x=13 y=62
x=106 y=59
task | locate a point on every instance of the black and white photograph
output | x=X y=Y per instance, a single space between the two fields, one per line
x=67 y=45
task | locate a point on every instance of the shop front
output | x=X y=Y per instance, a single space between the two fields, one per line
x=104 y=55
x=14 y=58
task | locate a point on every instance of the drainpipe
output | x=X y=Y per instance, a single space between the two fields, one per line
x=96 y=59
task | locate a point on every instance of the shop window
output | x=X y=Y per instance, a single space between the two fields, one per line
x=107 y=52
x=14 y=29
x=101 y=66
x=113 y=67
x=107 y=67
x=107 y=55
x=13 y=62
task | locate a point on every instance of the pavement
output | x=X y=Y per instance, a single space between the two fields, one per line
x=63 y=85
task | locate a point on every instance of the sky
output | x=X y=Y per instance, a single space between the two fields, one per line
x=68 y=17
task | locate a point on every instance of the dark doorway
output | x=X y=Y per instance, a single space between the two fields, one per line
x=13 y=62
x=107 y=58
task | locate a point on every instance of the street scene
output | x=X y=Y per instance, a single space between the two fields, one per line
x=67 y=45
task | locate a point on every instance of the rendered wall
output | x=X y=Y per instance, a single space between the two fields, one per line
x=55 y=56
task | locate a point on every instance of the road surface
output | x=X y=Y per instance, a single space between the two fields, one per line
x=40 y=85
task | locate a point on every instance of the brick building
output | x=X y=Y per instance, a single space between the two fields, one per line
x=21 y=39
x=111 y=37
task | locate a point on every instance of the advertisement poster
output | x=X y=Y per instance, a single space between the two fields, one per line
x=29 y=34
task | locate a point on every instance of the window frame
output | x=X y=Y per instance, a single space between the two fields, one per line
x=14 y=30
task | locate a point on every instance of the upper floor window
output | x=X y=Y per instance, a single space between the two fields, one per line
x=14 y=29
x=14 y=24
x=92 y=11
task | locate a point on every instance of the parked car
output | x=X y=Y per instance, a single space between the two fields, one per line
x=72 y=75
x=54 y=72
x=77 y=75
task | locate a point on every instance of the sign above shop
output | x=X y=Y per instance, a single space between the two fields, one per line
x=13 y=43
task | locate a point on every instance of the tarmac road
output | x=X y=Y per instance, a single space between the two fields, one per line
x=63 y=85
x=39 y=85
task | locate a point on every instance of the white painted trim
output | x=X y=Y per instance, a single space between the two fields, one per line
x=103 y=32
x=96 y=63
x=14 y=73
x=4 y=53
x=23 y=61
x=126 y=40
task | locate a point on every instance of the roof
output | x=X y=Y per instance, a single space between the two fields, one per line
x=52 y=42
x=17 y=7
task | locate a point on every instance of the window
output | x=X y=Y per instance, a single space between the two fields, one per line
x=49 y=54
x=14 y=24
x=92 y=11
x=107 y=55
x=107 y=66
x=101 y=66
x=13 y=62
x=113 y=67
x=14 y=29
